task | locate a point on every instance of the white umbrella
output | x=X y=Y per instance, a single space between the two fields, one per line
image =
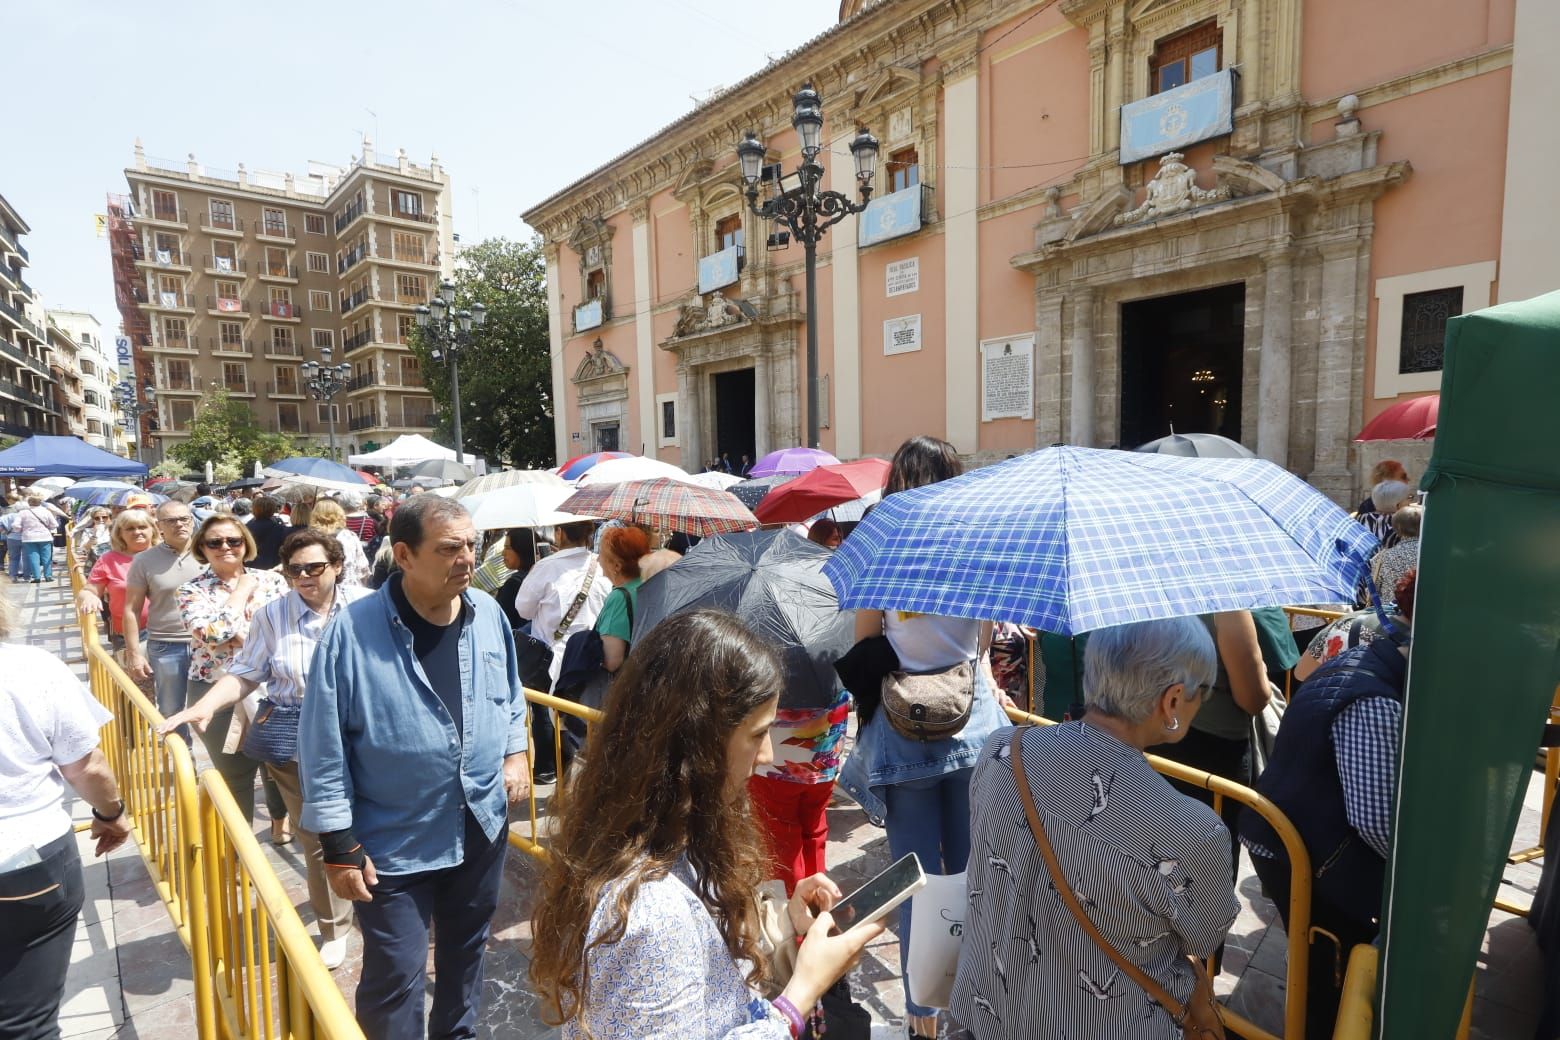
x=714 y=479
x=620 y=471
x=57 y=483
x=505 y=478
x=521 y=505
x=302 y=481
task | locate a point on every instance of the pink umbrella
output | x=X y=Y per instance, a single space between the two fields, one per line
x=792 y=460
x=1414 y=419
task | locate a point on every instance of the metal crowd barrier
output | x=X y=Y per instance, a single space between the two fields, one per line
x=257 y=975
x=1357 y=1007
x=543 y=824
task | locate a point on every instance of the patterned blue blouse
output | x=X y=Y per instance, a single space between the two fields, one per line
x=670 y=977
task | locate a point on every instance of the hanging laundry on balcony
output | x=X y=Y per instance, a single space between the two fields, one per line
x=164 y=256
x=169 y=299
x=224 y=263
x=227 y=303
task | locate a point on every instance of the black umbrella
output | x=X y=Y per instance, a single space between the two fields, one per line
x=773 y=580
x=752 y=492
x=246 y=483
x=1198 y=446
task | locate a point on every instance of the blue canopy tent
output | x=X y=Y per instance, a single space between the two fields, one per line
x=43 y=456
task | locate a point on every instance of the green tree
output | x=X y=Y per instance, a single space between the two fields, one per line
x=225 y=430
x=506 y=374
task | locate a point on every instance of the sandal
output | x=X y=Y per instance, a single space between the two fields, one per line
x=281 y=833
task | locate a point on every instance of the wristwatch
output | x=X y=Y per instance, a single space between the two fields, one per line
x=110 y=819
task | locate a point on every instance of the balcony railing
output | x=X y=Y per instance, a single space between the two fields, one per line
x=236 y=386
x=219 y=224
x=13 y=243
x=27 y=324
x=176 y=382
x=301 y=426
x=359 y=382
x=227 y=265
x=177 y=343
x=426 y=257
x=167 y=214
x=282 y=389
x=166 y=257
x=406 y=379
x=170 y=299
x=227 y=305
x=421 y=218
x=351 y=258
x=280 y=309
x=275 y=229
x=217 y=345
x=287 y=349
x=21 y=393
x=354 y=300
x=283 y=270
x=363 y=422
x=361 y=339
x=348 y=215
x=418 y=418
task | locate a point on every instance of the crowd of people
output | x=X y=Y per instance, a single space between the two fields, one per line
x=365 y=660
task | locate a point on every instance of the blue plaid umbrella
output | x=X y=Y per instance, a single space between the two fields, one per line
x=1073 y=539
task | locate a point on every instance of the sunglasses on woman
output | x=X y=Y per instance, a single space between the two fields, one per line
x=298 y=570
x=223 y=543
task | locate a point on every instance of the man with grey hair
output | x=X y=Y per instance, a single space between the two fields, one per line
x=358 y=520
x=411 y=746
x=1124 y=839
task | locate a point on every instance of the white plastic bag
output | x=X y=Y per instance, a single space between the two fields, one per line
x=936 y=933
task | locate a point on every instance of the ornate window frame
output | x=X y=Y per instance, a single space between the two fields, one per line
x=591 y=241
x=1476 y=281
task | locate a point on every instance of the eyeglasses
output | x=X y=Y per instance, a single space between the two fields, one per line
x=298 y=570
x=180 y=520
x=221 y=543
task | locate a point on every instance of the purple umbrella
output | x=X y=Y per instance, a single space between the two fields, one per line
x=792 y=460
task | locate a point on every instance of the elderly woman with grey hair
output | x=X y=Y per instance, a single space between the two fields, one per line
x=1387 y=497
x=1149 y=866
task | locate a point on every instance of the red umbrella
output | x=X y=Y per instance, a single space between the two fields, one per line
x=372 y=478
x=822 y=488
x=1414 y=419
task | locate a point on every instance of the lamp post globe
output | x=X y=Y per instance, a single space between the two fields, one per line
x=448 y=331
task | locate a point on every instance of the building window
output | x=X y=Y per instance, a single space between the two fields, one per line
x=171 y=289
x=1186 y=56
x=327 y=412
x=274 y=222
x=282 y=340
x=324 y=339
x=222 y=215
x=904 y=169
x=167 y=249
x=227 y=291
x=234 y=377
x=1422 y=345
x=410 y=288
x=728 y=232
x=287 y=379
x=319 y=263
x=281 y=300
x=231 y=335
x=180 y=375
x=276 y=262
x=165 y=205
x=314 y=224
x=224 y=255
x=668 y=420
x=411 y=372
x=407 y=203
x=595 y=284
x=405 y=325
x=409 y=245
x=175 y=333
x=319 y=300
x=181 y=414
x=288 y=419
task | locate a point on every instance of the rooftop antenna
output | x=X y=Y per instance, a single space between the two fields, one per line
x=377 y=139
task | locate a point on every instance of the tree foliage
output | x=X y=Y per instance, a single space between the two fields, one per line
x=506 y=374
x=225 y=431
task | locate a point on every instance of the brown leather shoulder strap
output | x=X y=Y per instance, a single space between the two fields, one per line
x=1176 y=1009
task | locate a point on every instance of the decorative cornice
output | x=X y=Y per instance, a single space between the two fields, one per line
x=1492 y=60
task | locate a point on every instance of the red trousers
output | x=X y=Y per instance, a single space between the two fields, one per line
x=794 y=818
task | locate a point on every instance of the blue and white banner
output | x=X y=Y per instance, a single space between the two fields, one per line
x=890 y=216
x=718 y=269
x=587 y=315
x=1166 y=122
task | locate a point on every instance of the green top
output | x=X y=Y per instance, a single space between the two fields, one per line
x=617 y=613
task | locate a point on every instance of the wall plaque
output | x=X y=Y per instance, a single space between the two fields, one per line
x=903 y=276
x=1007 y=369
x=902 y=335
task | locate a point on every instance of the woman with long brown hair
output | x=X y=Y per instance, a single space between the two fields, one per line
x=646 y=924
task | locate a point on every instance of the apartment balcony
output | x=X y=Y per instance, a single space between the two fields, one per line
x=234 y=227
x=12 y=277
x=225 y=267
x=392 y=298
x=362 y=382
x=228 y=348
x=164 y=216
x=12 y=429
x=183 y=345
x=164 y=259
x=302 y=426
x=18 y=392
x=175 y=301
x=386 y=254
x=16 y=317
x=284 y=389
x=288 y=351
x=10 y=243
x=351 y=302
x=238 y=387
x=419 y=420
x=348 y=215
x=177 y=384
x=270 y=272
x=351 y=258
x=226 y=306
x=271 y=231
x=363 y=422
x=416 y=219
x=280 y=310
x=362 y=339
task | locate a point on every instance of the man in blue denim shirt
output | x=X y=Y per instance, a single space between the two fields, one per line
x=412 y=743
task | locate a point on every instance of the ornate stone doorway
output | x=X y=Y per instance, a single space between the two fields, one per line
x=1181 y=364
x=735 y=421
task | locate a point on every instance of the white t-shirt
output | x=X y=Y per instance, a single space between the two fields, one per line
x=548 y=592
x=928 y=642
x=47 y=719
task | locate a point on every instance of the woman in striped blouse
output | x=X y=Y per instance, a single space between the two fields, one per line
x=1150 y=866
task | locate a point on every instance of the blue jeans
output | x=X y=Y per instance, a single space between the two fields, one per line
x=13 y=557
x=170 y=677
x=930 y=818
x=40 y=560
x=459 y=902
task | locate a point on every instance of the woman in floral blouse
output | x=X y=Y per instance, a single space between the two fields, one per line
x=217 y=608
x=646 y=928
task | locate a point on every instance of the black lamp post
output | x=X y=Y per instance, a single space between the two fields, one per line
x=325 y=382
x=448 y=332
x=801 y=204
x=133 y=408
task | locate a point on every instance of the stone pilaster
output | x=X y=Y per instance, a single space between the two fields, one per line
x=690 y=424
x=1048 y=371
x=1274 y=389
x=1081 y=431
x=1336 y=346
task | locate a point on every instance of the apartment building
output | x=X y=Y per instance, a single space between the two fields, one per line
x=88 y=373
x=234 y=279
x=27 y=386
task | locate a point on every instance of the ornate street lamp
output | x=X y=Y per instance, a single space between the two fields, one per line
x=325 y=382
x=808 y=211
x=133 y=408
x=448 y=332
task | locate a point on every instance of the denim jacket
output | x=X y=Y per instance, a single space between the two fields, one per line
x=882 y=757
x=378 y=752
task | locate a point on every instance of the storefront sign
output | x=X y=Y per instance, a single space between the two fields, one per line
x=718 y=269
x=1007 y=378
x=890 y=216
x=903 y=276
x=1190 y=113
x=902 y=335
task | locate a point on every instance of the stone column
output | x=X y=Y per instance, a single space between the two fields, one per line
x=689 y=424
x=761 y=396
x=1335 y=389
x=1082 y=426
x=1274 y=387
x=1048 y=371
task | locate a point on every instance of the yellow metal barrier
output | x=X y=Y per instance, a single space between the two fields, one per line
x=544 y=822
x=1357 y=1007
x=221 y=894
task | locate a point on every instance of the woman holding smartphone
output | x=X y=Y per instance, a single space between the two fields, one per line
x=646 y=927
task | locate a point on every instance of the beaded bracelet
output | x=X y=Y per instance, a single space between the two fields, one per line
x=792 y=1016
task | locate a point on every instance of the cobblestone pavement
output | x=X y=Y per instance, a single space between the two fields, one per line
x=130 y=975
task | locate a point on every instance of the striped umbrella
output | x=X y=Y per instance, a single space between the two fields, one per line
x=507 y=478
x=581 y=464
x=665 y=505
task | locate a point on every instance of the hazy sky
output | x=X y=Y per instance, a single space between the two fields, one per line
x=517 y=98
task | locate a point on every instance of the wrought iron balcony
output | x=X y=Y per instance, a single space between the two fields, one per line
x=348 y=215
x=363 y=422
x=219 y=225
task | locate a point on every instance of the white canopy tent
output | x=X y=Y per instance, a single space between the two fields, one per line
x=410 y=449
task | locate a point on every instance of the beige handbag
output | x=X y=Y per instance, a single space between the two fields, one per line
x=776 y=935
x=929 y=705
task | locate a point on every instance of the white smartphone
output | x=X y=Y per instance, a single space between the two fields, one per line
x=878 y=896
